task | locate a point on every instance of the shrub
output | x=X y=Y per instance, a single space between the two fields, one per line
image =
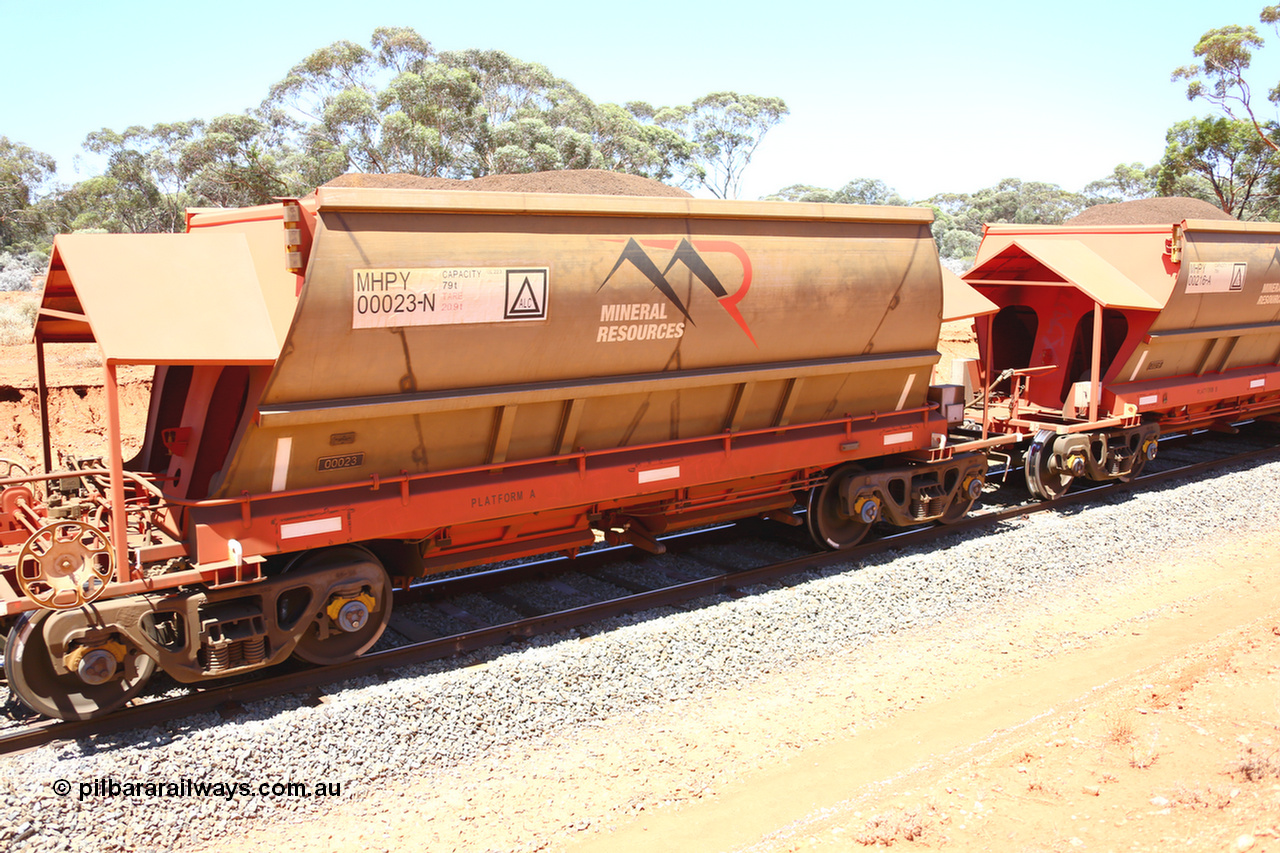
x=17 y=319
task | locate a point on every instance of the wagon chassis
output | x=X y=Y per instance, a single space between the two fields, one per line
x=227 y=538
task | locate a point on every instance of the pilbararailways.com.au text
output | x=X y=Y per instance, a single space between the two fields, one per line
x=184 y=787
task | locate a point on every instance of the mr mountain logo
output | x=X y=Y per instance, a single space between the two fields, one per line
x=647 y=321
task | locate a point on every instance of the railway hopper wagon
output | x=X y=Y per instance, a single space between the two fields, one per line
x=367 y=386
x=1107 y=337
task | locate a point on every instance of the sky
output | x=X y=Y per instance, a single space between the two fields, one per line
x=927 y=96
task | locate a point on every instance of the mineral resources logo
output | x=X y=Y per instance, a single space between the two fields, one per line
x=649 y=321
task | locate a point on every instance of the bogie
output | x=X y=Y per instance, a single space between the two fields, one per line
x=844 y=508
x=75 y=664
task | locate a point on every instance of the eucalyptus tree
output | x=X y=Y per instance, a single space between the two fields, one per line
x=230 y=162
x=401 y=106
x=857 y=191
x=24 y=175
x=959 y=217
x=725 y=129
x=1127 y=182
x=1011 y=200
x=143 y=187
x=1240 y=168
x=1219 y=76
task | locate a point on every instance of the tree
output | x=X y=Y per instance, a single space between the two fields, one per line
x=1230 y=156
x=726 y=128
x=395 y=105
x=1127 y=182
x=301 y=168
x=857 y=191
x=955 y=243
x=526 y=118
x=1011 y=200
x=23 y=173
x=227 y=163
x=154 y=174
x=328 y=104
x=399 y=106
x=143 y=188
x=641 y=140
x=1225 y=55
x=959 y=217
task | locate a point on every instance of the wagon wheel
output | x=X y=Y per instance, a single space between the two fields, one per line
x=346 y=624
x=966 y=496
x=99 y=685
x=1146 y=451
x=828 y=524
x=65 y=565
x=1043 y=483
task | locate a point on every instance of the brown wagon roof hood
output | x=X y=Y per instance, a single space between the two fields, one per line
x=158 y=299
x=1050 y=262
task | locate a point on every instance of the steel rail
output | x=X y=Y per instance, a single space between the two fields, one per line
x=219 y=697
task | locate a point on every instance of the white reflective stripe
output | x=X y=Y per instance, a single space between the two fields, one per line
x=906 y=389
x=655 y=474
x=898 y=438
x=284 y=448
x=1148 y=400
x=1258 y=383
x=1141 y=362
x=310 y=528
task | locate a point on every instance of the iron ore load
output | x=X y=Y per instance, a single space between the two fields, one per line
x=370 y=385
x=1108 y=336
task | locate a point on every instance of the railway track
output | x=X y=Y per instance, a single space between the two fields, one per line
x=512 y=602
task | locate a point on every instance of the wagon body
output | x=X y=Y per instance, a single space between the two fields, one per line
x=489 y=374
x=369 y=385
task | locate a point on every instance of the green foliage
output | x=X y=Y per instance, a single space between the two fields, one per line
x=154 y=174
x=1219 y=76
x=1127 y=182
x=1225 y=55
x=1011 y=200
x=396 y=105
x=228 y=163
x=1239 y=168
x=956 y=243
x=641 y=140
x=726 y=128
x=959 y=217
x=143 y=187
x=399 y=106
x=1133 y=181
x=857 y=191
x=24 y=172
